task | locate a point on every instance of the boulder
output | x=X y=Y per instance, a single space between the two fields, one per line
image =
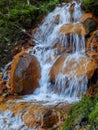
x=56 y=68
x=93 y=84
x=89 y=22
x=73 y=28
x=57 y=19
x=2 y=86
x=74 y=67
x=25 y=73
x=90 y=25
x=86 y=16
x=92 y=45
x=49 y=119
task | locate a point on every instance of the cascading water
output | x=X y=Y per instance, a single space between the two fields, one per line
x=48 y=36
x=51 y=44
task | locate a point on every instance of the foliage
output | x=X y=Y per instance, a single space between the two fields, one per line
x=16 y=15
x=87 y=108
x=91 y=6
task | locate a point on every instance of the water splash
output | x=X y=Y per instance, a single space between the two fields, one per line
x=50 y=44
x=47 y=38
x=9 y=122
x=66 y=88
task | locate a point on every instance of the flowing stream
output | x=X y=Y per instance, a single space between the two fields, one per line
x=66 y=88
x=47 y=36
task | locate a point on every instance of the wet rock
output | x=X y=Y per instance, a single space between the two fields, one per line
x=92 y=45
x=84 y=66
x=86 y=16
x=97 y=33
x=90 y=22
x=49 y=119
x=93 y=84
x=73 y=28
x=25 y=73
x=31 y=115
x=57 y=19
x=56 y=68
x=90 y=25
x=2 y=86
x=71 y=11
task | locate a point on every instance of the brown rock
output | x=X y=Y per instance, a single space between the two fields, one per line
x=71 y=10
x=89 y=22
x=86 y=16
x=73 y=28
x=92 y=45
x=25 y=73
x=2 y=86
x=57 y=18
x=85 y=66
x=56 y=68
x=49 y=119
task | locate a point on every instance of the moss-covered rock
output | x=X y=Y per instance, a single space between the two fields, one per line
x=83 y=114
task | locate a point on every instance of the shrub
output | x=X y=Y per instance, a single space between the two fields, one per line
x=87 y=108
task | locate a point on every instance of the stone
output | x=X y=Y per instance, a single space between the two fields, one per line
x=86 y=16
x=56 y=68
x=89 y=21
x=31 y=114
x=49 y=119
x=57 y=19
x=25 y=73
x=71 y=10
x=73 y=68
x=92 y=46
x=97 y=33
x=73 y=28
x=2 y=86
x=90 y=25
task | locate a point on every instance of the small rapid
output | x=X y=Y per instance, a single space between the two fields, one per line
x=60 y=51
x=49 y=38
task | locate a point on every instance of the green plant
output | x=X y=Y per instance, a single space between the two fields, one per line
x=87 y=108
x=16 y=15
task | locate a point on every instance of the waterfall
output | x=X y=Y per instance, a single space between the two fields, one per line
x=58 y=42
x=66 y=87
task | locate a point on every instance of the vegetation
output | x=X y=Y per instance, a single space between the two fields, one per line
x=83 y=113
x=91 y=5
x=16 y=16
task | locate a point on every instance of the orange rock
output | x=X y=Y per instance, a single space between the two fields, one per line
x=86 y=16
x=89 y=22
x=92 y=45
x=25 y=73
x=57 y=18
x=33 y=115
x=2 y=86
x=73 y=28
x=56 y=68
x=49 y=119
x=85 y=66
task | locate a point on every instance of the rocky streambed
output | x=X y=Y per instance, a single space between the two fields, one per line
x=20 y=115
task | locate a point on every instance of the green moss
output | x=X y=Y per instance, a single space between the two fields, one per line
x=16 y=15
x=91 y=6
x=87 y=108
